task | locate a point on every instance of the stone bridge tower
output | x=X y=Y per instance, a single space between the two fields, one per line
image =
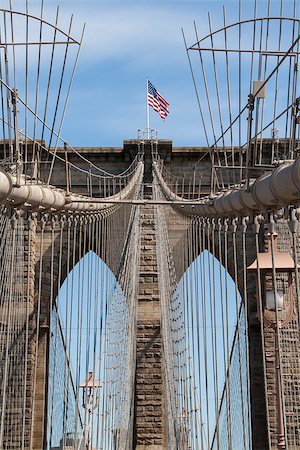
x=151 y=420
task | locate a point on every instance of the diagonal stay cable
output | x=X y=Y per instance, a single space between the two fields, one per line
x=286 y=54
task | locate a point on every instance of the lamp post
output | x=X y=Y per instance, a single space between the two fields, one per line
x=90 y=399
x=276 y=269
x=184 y=426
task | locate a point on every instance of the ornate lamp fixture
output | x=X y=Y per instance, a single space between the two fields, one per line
x=90 y=392
x=278 y=300
x=90 y=399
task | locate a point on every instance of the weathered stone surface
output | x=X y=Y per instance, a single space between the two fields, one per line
x=149 y=399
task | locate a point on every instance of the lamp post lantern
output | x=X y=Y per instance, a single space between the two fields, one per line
x=90 y=400
x=277 y=292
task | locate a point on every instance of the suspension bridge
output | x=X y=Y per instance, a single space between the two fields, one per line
x=149 y=294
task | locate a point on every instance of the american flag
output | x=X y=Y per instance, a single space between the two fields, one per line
x=158 y=103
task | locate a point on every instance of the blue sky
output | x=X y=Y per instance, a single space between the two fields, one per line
x=125 y=42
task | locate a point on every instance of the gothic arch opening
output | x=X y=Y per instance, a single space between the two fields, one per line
x=209 y=348
x=88 y=343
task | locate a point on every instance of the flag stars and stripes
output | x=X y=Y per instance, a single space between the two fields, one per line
x=157 y=102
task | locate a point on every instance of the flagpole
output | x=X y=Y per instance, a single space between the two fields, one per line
x=147 y=111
